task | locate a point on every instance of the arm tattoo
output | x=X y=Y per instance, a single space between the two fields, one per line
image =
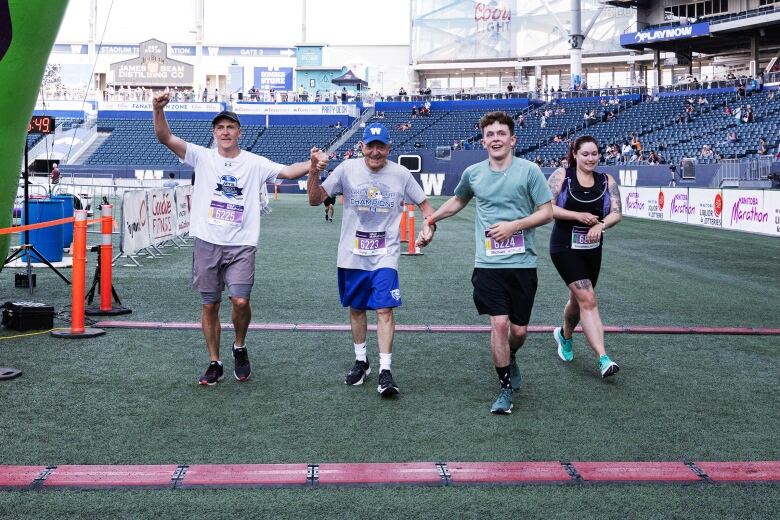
x=583 y=284
x=614 y=197
x=555 y=182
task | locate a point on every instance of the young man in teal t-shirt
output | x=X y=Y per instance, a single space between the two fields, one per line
x=512 y=199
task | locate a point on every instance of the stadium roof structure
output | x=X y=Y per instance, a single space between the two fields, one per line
x=712 y=36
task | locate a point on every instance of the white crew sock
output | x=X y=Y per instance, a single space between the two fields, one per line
x=384 y=361
x=360 y=351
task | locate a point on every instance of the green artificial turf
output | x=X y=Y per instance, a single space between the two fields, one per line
x=130 y=397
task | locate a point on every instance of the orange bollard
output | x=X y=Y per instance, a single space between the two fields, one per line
x=276 y=191
x=77 y=329
x=412 y=251
x=403 y=226
x=106 y=269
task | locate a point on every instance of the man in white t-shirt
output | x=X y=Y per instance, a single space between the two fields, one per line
x=225 y=222
x=369 y=246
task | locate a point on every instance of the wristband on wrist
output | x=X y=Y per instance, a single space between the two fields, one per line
x=430 y=222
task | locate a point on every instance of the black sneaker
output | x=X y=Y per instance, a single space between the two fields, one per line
x=242 y=369
x=213 y=374
x=387 y=386
x=357 y=373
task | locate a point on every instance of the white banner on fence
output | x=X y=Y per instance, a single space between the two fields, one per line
x=296 y=109
x=772 y=203
x=146 y=106
x=135 y=222
x=162 y=215
x=744 y=210
x=708 y=207
x=754 y=211
x=675 y=205
x=183 y=206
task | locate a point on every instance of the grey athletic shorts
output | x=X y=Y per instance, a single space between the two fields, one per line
x=215 y=266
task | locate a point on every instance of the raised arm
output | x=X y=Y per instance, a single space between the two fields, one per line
x=314 y=189
x=162 y=130
x=318 y=160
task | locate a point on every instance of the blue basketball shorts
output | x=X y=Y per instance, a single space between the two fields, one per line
x=369 y=290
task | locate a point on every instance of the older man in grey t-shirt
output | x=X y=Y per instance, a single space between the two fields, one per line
x=374 y=194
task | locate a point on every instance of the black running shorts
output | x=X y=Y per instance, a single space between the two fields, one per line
x=505 y=292
x=578 y=265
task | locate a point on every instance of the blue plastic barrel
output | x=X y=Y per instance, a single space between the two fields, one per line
x=67 y=229
x=48 y=240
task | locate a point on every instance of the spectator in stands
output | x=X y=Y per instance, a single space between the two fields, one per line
x=585 y=204
x=227 y=202
x=741 y=91
x=520 y=121
x=414 y=111
x=770 y=96
x=171 y=182
x=543 y=121
x=343 y=94
x=747 y=114
x=626 y=151
x=763 y=148
x=425 y=109
x=703 y=101
x=418 y=144
x=370 y=246
x=511 y=200
x=727 y=111
x=55 y=174
x=348 y=154
x=205 y=95
x=401 y=91
x=636 y=144
x=673 y=175
x=706 y=152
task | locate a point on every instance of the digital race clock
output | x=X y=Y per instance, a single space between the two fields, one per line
x=41 y=125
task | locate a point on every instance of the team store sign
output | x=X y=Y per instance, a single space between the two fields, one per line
x=754 y=211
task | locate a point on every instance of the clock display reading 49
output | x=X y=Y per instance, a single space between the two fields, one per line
x=41 y=125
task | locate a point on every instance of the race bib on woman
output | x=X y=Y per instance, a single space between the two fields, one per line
x=579 y=239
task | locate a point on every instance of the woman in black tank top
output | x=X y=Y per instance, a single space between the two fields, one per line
x=585 y=204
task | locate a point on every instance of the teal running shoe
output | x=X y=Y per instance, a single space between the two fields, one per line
x=565 y=346
x=503 y=405
x=514 y=373
x=607 y=367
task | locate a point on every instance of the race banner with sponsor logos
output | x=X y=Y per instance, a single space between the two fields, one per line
x=708 y=207
x=296 y=109
x=135 y=222
x=745 y=210
x=754 y=211
x=183 y=207
x=162 y=215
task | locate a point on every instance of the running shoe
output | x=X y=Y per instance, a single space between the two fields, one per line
x=242 y=369
x=213 y=374
x=514 y=373
x=565 y=346
x=358 y=373
x=607 y=367
x=387 y=386
x=503 y=405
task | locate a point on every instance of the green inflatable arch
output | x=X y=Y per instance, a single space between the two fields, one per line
x=27 y=32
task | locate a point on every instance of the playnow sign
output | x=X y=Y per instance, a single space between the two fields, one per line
x=665 y=34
